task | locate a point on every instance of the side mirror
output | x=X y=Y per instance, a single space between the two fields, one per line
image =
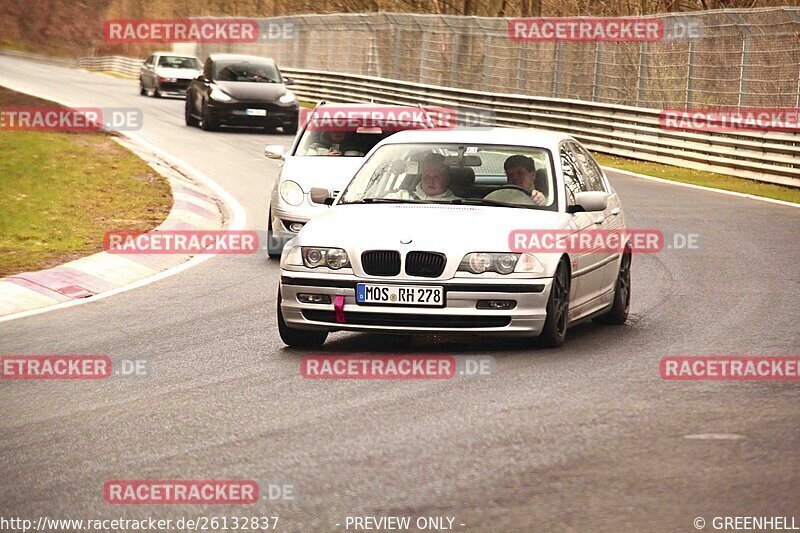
x=274 y=151
x=589 y=201
x=319 y=195
x=288 y=81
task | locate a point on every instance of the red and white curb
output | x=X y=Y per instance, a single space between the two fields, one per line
x=195 y=207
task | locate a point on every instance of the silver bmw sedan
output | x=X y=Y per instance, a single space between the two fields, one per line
x=474 y=231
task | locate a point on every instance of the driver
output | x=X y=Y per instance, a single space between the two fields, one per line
x=432 y=185
x=333 y=141
x=521 y=171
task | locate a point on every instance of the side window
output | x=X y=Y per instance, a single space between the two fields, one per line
x=573 y=179
x=593 y=176
x=149 y=61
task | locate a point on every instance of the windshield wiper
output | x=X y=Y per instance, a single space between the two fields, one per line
x=482 y=201
x=389 y=201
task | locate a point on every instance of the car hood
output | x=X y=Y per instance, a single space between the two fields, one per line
x=252 y=91
x=331 y=172
x=450 y=229
x=180 y=73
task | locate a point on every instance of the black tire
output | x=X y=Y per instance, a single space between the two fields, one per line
x=555 y=325
x=187 y=112
x=290 y=129
x=298 y=337
x=142 y=91
x=618 y=314
x=208 y=124
x=156 y=92
x=273 y=251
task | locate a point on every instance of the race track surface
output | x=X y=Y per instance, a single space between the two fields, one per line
x=584 y=438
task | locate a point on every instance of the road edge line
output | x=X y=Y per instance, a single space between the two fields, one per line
x=701 y=187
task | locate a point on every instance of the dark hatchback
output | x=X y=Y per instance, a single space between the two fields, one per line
x=241 y=90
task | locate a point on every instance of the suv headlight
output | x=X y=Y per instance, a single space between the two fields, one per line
x=287 y=98
x=291 y=192
x=219 y=96
x=502 y=263
x=334 y=258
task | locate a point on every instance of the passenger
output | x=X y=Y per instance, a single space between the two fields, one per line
x=433 y=185
x=521 y=171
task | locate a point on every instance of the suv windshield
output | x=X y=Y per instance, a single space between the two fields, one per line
x=505 y=176
x=179 y=62
x=248 y=71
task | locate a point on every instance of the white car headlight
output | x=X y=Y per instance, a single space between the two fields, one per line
x=287 y=98
x=291 y=192
x=219 y=96
x=334 y=258
x=480 y=262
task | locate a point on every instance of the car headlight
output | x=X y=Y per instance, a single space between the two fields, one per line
x=287 y=98
x=291 y=192
x=219 y=96
x=480 y=262
x=167 y=80
x=334 y=258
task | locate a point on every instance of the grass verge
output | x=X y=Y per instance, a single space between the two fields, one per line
x=699 y=177
x=60 y=192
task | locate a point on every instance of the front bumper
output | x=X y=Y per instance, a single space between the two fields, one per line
x=234 y=114
x=177 y=88
x=459 y=315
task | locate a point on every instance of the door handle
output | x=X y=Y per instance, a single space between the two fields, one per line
x=615 y=211
x=599 y=221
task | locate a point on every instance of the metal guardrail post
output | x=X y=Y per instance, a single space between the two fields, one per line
x=556 y=68
x=796 y=16
x=689 y=75
x=596 y=80
x=423 y=56
x=523 y=69
x=743 y=66
x=454 y=63
x=641 y=73
x=487 y=74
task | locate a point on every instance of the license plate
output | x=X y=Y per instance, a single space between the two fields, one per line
x=369 y=293
x=256 y=112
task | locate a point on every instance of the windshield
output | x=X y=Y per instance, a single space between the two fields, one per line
x=179 y=62
x=247 y=71
x=355 y=142
x=504 y=176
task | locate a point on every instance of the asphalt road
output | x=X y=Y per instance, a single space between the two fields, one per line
x=584 y=438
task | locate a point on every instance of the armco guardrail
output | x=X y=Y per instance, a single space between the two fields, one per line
x=624 y=131
x=117 y=64
x=69 y=63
